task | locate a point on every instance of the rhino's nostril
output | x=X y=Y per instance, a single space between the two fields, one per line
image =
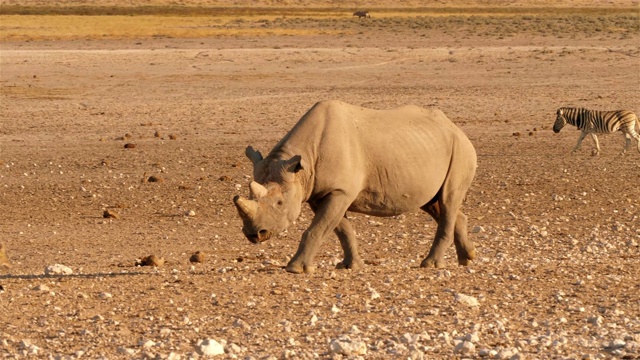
x=263 y=233
x=252 y=237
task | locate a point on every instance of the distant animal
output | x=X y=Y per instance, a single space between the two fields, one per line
x=598 y=122
x=362 y=14
x=4 y=260
x=342 y=157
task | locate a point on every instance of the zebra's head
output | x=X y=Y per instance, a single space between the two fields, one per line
x=560 y=121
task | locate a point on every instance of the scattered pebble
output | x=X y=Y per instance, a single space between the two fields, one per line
x=467 y=300
x=347 y=347
x=209 y=347
x=197 y=257
x=58 y=269
x=151 y=260
x=110 y=214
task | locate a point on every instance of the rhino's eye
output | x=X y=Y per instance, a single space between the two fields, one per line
x=279 y=202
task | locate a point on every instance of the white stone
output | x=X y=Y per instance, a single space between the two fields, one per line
x=57 y=269
x=595 y=320
x=347 y=347
x=241 y=324
x=209 y=347
x=617 y=344
x=41 y=288
x=125 y=351
x=374 y=294
x=477 y=229
x=190 y=213
x=467 y=300
x=473 y=337
x=105 y=295
x=504 y=354
x=464 y=348
x=174 y=356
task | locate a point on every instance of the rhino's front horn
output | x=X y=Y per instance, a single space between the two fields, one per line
x=245 y=207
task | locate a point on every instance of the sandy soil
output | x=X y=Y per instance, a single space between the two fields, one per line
x=557 y=234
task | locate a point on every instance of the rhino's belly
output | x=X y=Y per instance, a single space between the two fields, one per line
x=386 y=204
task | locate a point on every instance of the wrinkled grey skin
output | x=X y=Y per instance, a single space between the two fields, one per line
x=340 y=158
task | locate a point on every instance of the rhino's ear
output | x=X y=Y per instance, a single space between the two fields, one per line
x=258 y=190
x=294 y=164
x=253 y=155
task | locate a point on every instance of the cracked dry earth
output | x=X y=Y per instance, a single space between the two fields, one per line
x=557 y=234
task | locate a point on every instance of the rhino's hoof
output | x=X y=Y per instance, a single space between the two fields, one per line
x=353 y=265
x=464 y=259
x=432 y=263
x=299 y=268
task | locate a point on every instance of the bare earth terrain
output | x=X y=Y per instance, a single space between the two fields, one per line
x=558 y=234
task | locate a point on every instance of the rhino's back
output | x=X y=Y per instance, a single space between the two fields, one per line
x=394 y=159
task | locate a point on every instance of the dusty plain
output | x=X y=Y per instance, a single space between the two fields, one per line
x=557 y=274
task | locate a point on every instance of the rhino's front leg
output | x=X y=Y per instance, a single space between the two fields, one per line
x=329 y=212
x=349 y=244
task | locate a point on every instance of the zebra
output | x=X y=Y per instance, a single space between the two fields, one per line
x=362 y=14
x=598 y=122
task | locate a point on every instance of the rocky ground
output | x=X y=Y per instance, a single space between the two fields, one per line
x=557 y=233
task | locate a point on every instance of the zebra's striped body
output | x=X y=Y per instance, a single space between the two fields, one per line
x=598 y=122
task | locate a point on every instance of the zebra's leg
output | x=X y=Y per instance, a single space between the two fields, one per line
x=579 y=144
x=627 y=142
x=595 y=140
x=637 y=137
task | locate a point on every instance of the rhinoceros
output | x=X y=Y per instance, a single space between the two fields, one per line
x=340 y=157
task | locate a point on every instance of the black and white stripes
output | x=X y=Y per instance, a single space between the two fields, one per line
x=598 y=122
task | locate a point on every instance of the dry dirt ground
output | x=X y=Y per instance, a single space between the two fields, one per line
x=558 y=234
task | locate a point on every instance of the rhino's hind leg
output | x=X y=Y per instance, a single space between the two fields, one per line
x=349 y=244
x=447 y=224
x=443 y=238
x=465 y=249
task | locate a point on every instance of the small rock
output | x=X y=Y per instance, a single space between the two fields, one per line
x=58 y=269
x=190 y=213
x=239 y=323
x=224 y=178
x=105 y=295
x=155 y=179
x=197 y=257
x=474 y=338
x=4 y=260
x=467 y=300
x=347 y=347
x=209 y=347
x=504 y=354
x=477 y=229
x=110 y=214
x=617 y=344
x=41 y=288
x=464 y=348
x=173 y=136
x=150 y=260
x=374 y=294
x=595 y=320
x=125 y=351
x=129 y=146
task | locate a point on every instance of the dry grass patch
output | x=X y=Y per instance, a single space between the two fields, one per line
x=68 y=27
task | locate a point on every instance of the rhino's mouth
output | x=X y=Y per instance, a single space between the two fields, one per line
x=261 y=236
